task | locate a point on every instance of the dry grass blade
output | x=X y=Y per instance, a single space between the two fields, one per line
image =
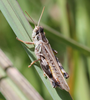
x=17 y=78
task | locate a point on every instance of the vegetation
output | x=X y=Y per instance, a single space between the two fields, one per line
x=68 y=31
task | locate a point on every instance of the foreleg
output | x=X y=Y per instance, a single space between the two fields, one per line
x=24 y=41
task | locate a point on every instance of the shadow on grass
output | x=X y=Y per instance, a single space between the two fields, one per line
x=64 y=95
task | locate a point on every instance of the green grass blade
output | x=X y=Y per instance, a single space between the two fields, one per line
x=22 y=29
x=67 y=41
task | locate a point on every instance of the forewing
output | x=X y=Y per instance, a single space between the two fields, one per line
x=63 y=84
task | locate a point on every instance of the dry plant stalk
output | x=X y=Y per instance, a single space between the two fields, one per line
x=18 y=79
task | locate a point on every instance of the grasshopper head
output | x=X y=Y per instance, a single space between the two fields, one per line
x=37 y=33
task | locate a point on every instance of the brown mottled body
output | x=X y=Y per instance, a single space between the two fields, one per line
x=47 y=59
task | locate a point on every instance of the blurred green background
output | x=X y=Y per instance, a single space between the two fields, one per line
x=72 y=20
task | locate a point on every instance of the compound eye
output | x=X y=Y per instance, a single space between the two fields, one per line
x=37 y=32
x=41 y=30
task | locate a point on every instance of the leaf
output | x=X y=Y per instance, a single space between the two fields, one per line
x=23 y=30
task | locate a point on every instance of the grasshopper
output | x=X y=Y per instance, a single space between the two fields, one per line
x=48 y=61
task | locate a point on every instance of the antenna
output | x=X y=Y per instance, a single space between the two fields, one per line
x=30 y=18
x=41 y=16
